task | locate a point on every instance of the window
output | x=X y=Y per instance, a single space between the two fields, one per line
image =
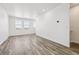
x=24 y=23
x=18 y=23
x=27 y=23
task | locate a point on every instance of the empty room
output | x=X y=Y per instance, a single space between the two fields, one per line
x=39 y=29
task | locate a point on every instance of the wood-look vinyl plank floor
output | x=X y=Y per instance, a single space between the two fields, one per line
x=33 y=45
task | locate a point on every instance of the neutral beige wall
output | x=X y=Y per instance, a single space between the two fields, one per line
x=3 y=25
x=74 y=22
x=47 y=26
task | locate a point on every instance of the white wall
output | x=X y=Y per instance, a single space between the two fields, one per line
x=74 y=17
x=47 y=27
x=13 y=31
x=3 y=25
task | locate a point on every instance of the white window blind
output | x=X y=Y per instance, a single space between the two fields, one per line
x=19 y=24
x=24 y=23
x=27 y=23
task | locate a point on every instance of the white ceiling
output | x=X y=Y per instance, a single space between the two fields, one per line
x=28 y=9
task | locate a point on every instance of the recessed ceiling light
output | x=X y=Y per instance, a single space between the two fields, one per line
x=43 y=10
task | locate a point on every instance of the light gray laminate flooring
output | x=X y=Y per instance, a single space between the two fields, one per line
x=33 y=45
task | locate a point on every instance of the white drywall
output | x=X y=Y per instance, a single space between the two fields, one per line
x=47 y=26
x=74 y=17
x=13 y=31
x=3 y=25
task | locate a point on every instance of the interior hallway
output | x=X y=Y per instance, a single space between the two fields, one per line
x=33 y=45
